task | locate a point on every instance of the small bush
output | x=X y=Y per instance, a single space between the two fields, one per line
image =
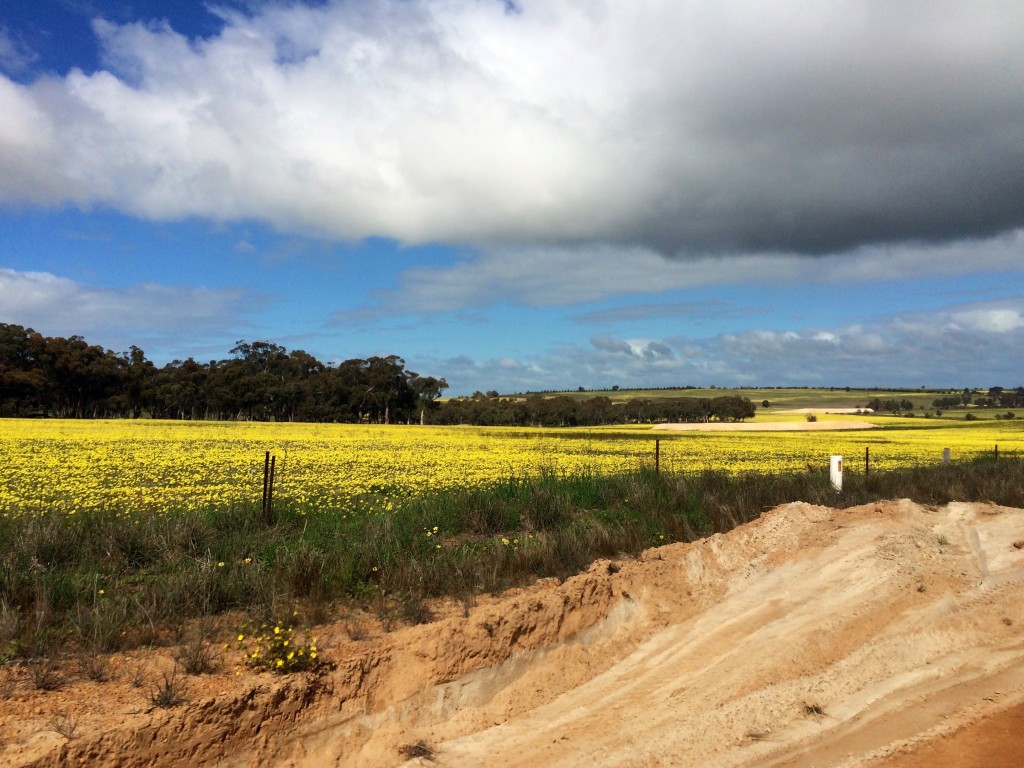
x=44 y=672
x=169 y=693
x=65 y=725
x=274 y=648
x=198 y=657
x=95 y=666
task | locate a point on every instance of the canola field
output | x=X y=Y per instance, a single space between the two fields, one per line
x=127 y=467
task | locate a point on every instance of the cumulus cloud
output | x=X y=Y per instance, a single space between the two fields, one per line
x=612 y=346
x=118 y=318
x=641 y=349
x=993 y=319
x=905 y=350
x=676 y=128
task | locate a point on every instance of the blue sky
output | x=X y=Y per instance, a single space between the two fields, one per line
x=525 y=195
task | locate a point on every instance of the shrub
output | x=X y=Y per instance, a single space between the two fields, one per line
x=169 y=693
x=274 y=648
x=198 y=657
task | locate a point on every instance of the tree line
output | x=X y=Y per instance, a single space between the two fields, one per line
x=535 y=410
x=996 y=397
x=262 y=381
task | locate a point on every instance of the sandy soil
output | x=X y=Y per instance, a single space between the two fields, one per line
x=883 y=635
x=767 y=426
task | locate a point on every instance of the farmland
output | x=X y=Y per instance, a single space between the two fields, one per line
x=142 y=465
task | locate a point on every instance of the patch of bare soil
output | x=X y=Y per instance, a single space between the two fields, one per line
x=883 y=635
x=768 y=426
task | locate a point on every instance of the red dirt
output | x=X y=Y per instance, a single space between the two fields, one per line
x=884 y=635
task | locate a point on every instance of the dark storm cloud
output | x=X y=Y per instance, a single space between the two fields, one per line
x=687 y=127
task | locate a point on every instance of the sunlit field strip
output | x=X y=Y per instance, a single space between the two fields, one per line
x=131 y=466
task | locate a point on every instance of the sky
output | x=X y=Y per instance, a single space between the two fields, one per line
x=524 y=194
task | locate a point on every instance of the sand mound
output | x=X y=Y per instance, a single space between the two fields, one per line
x=811 y=636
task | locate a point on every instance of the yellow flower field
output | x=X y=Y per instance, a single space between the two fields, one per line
x=129 y=466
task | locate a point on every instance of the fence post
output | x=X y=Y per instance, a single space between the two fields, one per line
x=267 y=508
x=945 y=456
x=657 y=457
x=867 y=460
x=266 y=480
x=270 y=493
x=997 y=451
x=836 y=472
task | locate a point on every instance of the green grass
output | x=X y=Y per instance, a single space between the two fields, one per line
x=97 y=582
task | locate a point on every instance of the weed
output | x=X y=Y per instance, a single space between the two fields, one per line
x=65 y=725
x=100 y=625
x=138 y=679
x=412 y=609
x=10 y=628
x=95 y=666
x=6 y=688
x=355 y=631
x=813 y=709
x=170 y=693
x=198 y=657
x=44 y=672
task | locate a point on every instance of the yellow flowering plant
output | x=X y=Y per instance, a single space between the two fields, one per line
x=275 y=648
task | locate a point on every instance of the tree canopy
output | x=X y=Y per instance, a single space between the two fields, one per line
x=261 y=381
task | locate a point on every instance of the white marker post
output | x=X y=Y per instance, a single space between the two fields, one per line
x=836 y=472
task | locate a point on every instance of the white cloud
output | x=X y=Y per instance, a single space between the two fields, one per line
x=990 y=319
x=567 y=276
x=684 y=127
x=964 y=345
x=15 y=56
x=57 y=306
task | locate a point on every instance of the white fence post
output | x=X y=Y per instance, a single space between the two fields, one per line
x=945 y=456
x=836 y=472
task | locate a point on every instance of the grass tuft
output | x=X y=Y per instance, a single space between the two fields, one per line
x=170 y=692
x=198 y=657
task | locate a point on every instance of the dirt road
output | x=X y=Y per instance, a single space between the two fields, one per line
x=884 y=635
